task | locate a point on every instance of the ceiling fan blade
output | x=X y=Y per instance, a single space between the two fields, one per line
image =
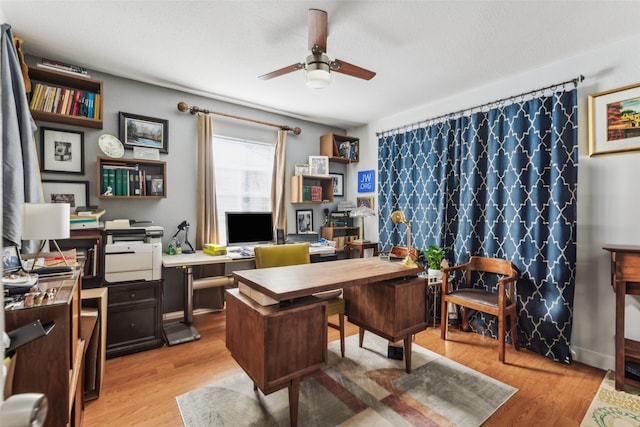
x=340 y=66
x=318 y=29
x=282 y=71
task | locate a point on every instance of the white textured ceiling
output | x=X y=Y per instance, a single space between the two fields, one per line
x=420 y=50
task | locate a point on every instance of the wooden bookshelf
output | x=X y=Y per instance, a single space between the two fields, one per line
x=62 y=80
x=146 y=172
x=340 y=148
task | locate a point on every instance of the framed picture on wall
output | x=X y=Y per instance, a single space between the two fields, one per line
x=338 y=184
x=318 y=165
x=143 y=131
x=364 y=201
x=304 y=221
x=614 y=121
x=76 y=193
x=62 y=151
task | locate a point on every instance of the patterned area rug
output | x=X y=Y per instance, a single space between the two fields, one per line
x=613 y=408
x=364 y=388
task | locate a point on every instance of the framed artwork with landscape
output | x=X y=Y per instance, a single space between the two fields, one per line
x=76 y=193
x=62 y=151
x=143 y=131
x=614 y=121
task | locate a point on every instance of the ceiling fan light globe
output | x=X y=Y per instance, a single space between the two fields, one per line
x=318 y=79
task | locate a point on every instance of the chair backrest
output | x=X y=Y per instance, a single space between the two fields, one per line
x=491 y=265
x=282 y=255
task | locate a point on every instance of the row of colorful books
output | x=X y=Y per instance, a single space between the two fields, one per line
x=67 y=101
x=312 y=193
x=130 y=181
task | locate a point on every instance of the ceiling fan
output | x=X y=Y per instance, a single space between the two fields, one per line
x=318 y=66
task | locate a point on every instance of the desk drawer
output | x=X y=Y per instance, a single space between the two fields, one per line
x=119 y=294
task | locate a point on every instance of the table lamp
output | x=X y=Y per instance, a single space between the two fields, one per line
x=362 y=212
x=46 y=221
x=397 y=217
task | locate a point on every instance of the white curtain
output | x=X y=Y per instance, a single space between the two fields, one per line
x=207 y=215
x=278 y=183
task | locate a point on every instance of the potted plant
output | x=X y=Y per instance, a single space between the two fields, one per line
x=432 y=257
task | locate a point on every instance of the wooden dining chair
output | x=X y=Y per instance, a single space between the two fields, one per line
x=500 y=302
x=298 y=253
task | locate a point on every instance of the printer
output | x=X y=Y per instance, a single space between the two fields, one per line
x=132 y=252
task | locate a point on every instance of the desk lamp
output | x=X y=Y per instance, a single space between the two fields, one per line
x=362 y=212
x=46 y=221
x=184 y=225
x=397 y=217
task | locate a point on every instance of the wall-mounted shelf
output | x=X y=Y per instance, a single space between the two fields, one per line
x=131 y=178
x=340 y=148
x=78 y=91
x=304 y=189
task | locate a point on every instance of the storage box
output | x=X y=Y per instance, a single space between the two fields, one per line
x=211 y=249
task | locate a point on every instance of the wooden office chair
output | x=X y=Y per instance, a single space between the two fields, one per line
x=298 y=253
x=500 y=303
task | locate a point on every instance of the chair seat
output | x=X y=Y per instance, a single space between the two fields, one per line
x=335 y=306
x=479 y=296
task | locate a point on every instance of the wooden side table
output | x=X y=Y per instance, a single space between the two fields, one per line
x=360 y=247
x=625 y=280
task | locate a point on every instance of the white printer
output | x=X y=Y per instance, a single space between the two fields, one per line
x=132 y=252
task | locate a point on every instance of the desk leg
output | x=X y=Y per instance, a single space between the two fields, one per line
x=294 y=393
x=407 y=353
x=178 y=333
x=188 y=295
x=620 y=350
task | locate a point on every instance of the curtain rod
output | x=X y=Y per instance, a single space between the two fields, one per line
x=184 y=107
x=575 y=81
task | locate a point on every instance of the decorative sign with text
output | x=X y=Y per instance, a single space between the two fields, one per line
x=366 y=181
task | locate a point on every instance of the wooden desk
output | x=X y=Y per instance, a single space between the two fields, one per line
x=625 y=280
x=177 y=333
x=278 y=344
x=53 y=364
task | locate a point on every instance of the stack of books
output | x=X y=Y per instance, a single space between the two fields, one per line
x=63 y=67
x=86 y=217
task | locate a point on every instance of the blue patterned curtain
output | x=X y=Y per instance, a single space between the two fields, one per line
x=499 y=183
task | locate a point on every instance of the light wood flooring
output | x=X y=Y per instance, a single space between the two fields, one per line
x=140 y=389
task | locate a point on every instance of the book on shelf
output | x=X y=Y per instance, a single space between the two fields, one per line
x=63 y=67
x=62 y=100
x=124 y=180
x=88 y=214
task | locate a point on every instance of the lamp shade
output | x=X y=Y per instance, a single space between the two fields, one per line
x=317 y=74
x=362 y=211
x=45 y=221
x=397 y=217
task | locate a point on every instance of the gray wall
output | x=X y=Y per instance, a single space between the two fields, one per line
x=140 y=98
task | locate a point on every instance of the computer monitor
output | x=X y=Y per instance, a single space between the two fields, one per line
x=249 y=228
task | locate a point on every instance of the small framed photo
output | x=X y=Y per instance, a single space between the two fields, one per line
x=76 y=193
x=318 y=165
x=143 y=131
x=62 y=151
x=155 y=185
x=304 y=221
x=10 y=259
x=338 y=183
x=614 y=121
x=365 y=201
x=302 y=169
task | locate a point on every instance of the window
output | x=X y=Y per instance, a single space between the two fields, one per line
x=243 y=177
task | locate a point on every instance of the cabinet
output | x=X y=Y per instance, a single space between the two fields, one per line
x=131 y=178
x=625 y=280
x=134 y=317
x=65 y=92
x=88 y=242
x=304 y=189
x=340 y=148
x=340 y=235
x=53 y=364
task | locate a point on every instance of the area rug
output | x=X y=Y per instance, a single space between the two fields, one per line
x=363 y=388
x=613 y=408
